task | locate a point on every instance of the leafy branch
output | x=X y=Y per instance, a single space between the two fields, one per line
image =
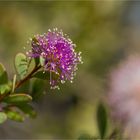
x=13 y=104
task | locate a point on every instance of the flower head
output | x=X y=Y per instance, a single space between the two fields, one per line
x=58 y=54
x=124 y=95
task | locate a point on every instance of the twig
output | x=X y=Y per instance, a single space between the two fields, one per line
x=27 y=77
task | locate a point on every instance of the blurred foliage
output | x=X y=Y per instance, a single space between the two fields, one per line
x=97 y=28
x=102 y=120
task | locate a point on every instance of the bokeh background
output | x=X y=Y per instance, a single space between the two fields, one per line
x=106 y=31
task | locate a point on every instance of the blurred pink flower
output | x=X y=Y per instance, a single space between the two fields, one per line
x=124 y=95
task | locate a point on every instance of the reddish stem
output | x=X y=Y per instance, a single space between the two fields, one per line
x=27 y=77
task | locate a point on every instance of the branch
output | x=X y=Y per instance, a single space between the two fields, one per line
x=27 y=77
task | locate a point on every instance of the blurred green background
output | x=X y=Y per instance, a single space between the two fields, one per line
x=105 y=32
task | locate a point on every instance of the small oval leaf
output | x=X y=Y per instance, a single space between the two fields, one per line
x=5 y=88
x=3 y=117
x=16 y=98
x=36 y=61
x=31 y=66
x=21 y=64
x=41 y=75
x=3 y=75
x=27 y=109
x=38 y=89
x=14 y=115
x=42 y=61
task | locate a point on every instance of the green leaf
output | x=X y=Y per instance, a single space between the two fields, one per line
x=31 y=65
x=41 y=75
x=14 y=115
x=42 y=61
x=102 y=120
x=36 y=61
x=16 y=98
x=37 y=89
x=3 y=117
x=27 y=109
x=5 y=88
x=3 y=75
x=21 y=64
